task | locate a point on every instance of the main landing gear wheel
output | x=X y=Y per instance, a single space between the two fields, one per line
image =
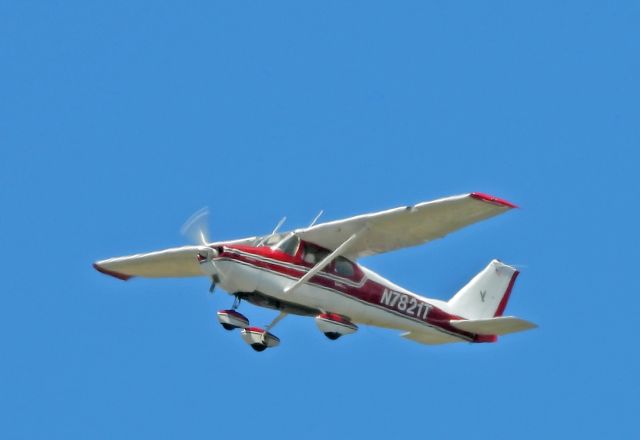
x=259 y=347
x=333 y=325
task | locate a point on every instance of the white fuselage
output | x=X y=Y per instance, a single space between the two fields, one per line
x=372 y=300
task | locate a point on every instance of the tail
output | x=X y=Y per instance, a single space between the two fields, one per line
x=486 y=295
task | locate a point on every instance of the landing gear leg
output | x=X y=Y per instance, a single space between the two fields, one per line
x=276 y=320
x=236 y=302
x=214 y=280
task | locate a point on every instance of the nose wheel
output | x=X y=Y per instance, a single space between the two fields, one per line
x=260 y=339
x=257 y=338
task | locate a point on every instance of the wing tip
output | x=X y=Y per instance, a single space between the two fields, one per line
x=118 y=275
x=491 y=199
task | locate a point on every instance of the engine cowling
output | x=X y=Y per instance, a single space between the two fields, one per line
x=259 y=339
x=230 y=319
x=333 y=325
x=205 y=258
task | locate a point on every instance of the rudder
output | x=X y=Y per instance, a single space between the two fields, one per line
x=486 y=295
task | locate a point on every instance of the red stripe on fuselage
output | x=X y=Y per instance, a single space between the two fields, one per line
x=369 y=292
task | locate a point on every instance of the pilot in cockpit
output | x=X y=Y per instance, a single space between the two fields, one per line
x=313 y=254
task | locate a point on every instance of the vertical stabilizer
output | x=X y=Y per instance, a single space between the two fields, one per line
x=486 y=295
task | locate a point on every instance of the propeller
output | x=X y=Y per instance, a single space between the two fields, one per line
x=196 y=229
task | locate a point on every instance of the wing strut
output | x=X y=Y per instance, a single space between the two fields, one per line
x=321 y=265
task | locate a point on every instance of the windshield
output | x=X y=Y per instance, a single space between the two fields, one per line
x=289 y=245
x=271 y=240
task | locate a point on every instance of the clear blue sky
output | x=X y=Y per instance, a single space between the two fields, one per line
x=119 y=119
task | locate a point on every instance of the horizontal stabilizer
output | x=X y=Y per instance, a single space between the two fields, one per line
x=493 y=326
x=431 y=338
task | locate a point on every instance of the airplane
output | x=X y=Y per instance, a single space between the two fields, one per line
x=313 y=272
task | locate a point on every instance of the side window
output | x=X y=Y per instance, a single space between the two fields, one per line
x=308 y=255
x=344 y=267
x=313 y=254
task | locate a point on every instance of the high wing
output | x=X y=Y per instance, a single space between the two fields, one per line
x=174 y=262
x=406 y=226
x=367 y=234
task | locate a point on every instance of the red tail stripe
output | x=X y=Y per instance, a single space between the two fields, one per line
x=505 y=298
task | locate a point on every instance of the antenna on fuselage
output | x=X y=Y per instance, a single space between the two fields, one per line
x=280 y=223
x=274 y=232
x=315 y=219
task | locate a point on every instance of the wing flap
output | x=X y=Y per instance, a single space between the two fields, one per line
x=494 y=326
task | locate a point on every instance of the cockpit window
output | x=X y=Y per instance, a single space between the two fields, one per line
x=344 y=267
x=313 y=254
x=272 y=240
x=289 y=245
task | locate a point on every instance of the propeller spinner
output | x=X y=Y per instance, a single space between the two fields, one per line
x=197 y=231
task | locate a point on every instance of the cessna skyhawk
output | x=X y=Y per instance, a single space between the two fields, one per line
x=313 y=272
